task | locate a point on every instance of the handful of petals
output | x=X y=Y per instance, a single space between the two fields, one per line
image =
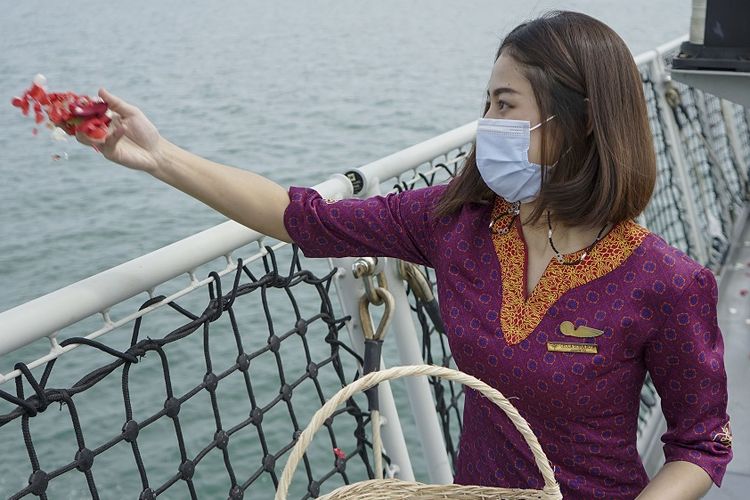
x=66 y=110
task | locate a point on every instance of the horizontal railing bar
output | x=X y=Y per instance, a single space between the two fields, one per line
x=58 y=351
x=659 y=51
x=41 y=317
x=414 y=156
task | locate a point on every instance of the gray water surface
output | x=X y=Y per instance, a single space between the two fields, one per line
x=296 y=90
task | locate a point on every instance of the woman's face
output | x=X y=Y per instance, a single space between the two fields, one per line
x=511 y=98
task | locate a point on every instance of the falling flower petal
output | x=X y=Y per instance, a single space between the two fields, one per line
x=58 y=134
x=40 y=80
x=36 y=92
x=66 y=111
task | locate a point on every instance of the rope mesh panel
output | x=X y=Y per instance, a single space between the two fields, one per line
x=265 y=408
x=665 y=214
x=717 y=172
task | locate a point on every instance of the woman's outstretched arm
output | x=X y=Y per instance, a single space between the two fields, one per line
x=248 y=198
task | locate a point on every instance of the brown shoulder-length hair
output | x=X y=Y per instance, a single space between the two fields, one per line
x=582 y=72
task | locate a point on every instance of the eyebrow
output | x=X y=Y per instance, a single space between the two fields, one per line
x=502 y=90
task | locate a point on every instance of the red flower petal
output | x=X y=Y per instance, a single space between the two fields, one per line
x=67 y=110
x=36 y=92
x=90 y=109
x=94 y=128
x=54 y=115
x=21 y=103
x=97 y=134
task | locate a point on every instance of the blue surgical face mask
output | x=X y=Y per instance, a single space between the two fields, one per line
x=502 y=154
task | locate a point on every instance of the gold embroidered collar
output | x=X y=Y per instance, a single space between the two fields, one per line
x=520 y=315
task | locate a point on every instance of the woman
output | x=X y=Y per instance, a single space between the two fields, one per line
x=548 y=289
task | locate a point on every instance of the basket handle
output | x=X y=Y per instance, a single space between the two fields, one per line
x=375 y=378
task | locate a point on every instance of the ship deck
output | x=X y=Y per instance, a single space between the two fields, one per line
x=734 y=320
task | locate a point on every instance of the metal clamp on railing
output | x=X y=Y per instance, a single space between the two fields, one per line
x=369 y=269
x=423 y=291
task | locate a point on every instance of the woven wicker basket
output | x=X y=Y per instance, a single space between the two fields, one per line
x=394 y=489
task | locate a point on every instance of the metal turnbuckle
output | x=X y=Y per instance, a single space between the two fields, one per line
x=368 y=269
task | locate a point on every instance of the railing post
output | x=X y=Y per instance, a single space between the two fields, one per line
x=681 y=166
x=730 y=120
x=420 y=393
x=349 y=290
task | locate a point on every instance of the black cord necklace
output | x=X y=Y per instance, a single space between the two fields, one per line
x=560 y=257
x=515 y=209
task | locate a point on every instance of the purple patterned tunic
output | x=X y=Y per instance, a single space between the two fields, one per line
x=646 y=305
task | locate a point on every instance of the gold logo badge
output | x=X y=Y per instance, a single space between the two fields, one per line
x=583 y=332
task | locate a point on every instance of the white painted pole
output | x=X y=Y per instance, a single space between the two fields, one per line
x=420 y=393
x=672 y=135
x=403 y=332
x=349 y=290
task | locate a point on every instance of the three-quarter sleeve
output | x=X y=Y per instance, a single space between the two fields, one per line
x=686 y=361
x=396 y=225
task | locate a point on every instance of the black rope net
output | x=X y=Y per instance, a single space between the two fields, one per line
x=195 y=413
x=717 y=170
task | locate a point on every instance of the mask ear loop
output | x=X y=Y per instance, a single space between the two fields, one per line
x=541 y=123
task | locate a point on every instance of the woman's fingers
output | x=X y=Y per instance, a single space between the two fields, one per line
x=116 y=104
x=86 y=140
x=116 y=129
x=116 y=135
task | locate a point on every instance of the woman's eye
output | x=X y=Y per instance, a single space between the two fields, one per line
x=501 y=105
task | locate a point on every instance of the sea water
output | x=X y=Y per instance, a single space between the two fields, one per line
x=295 y=90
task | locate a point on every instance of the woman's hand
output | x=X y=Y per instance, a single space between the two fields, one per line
x=132 y=141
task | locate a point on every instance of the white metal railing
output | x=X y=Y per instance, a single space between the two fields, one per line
x=46 y=316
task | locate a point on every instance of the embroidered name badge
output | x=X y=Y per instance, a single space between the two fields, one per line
x=584 y=332
x=572 y=347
